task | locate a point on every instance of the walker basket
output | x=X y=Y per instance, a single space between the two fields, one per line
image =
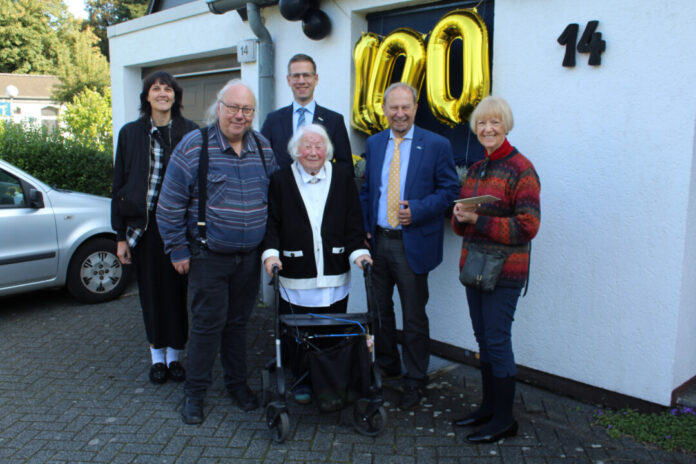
x=340 y=374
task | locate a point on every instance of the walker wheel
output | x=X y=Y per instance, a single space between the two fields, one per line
x=366 y=422
x=278 y=422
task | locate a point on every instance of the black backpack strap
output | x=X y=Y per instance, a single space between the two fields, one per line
x=203 y=189
x=260 y=148
x=529 y=266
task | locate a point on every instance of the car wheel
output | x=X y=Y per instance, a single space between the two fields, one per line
x=95 y=274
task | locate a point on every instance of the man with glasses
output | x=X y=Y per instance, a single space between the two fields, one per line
x=281 y=124
x=220 y=256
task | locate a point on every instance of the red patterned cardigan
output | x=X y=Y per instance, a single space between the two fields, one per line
x=509 y=224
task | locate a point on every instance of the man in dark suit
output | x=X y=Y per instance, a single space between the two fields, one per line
x=410 y=182
x=281 y=124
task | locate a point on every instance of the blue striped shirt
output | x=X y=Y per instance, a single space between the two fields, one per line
x=237 y=203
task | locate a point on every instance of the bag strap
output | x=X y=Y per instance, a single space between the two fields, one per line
x=529 y=266
x=203 y=189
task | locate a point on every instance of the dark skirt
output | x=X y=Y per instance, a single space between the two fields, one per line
x=162 y=292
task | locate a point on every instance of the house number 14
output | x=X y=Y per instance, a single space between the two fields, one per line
x=591 y=42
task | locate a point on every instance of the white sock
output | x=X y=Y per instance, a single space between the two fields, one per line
x=172 y=355
x=157 y=355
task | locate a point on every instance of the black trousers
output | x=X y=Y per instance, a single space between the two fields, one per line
x=391 y=268
x=224 y=288
x=162 y=291
x=294 y=354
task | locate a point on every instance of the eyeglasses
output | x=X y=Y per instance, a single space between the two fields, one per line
x=305 y=76
x=234 y=109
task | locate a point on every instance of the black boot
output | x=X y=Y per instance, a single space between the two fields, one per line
x=503 y=423
x=485 y=412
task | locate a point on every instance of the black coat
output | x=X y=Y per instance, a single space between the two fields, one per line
x=132 y=169
x=288 y=227
x=277 y=128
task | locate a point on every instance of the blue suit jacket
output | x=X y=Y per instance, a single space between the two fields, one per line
x=431 y=187
x=277 y=128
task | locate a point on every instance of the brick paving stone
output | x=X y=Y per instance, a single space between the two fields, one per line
x=108 y=452
x=391 y=459
x=340 y=452
x=256 y=449
x=445 y=460
x=222 y=452
x=73 y=456
x=535 y=460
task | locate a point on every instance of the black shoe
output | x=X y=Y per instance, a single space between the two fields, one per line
x=473 y=420
x=158 y=373
x=411 y=397
x=176 y=371
x=244 y=398
x=492 y=437
x=192 y=412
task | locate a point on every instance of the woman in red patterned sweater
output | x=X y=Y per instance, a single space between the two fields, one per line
x=507 y=225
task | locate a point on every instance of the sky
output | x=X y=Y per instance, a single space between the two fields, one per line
x=77 y=8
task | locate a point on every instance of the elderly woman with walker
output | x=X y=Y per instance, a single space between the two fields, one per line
x=314 y=231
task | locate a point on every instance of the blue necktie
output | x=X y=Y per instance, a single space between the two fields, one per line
x=301 y=119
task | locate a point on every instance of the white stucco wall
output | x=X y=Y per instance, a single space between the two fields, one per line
x=612 y=300
x=614 y=148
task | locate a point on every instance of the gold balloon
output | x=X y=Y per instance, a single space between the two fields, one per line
x=364 y=57
x=468 y=26
x=401 y=42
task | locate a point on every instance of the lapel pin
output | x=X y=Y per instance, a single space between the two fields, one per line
x=320 y=118
x=419 y=147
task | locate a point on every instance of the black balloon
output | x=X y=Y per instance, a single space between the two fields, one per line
x=316 y=24
x=294 y=10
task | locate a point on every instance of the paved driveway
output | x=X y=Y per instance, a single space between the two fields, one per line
x=74 y=388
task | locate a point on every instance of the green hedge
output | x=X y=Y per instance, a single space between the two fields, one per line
x=56 y=160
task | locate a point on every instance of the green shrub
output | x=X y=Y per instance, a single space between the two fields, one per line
x=671 y=430
x=56 y=160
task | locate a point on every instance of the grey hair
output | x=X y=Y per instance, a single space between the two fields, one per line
x=318 y=129
x=211 y=114
x=401 y=85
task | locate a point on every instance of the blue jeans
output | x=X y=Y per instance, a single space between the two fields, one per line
x=491 y=316
x=224 y=288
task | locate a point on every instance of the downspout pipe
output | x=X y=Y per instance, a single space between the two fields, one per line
x=266 y=93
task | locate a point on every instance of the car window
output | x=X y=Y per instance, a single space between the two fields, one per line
x=11 y=192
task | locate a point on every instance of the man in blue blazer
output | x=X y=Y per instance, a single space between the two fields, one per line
x=404 y=203
x=281 y=124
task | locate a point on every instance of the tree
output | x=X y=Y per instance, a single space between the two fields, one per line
x=88 y=119
x=104 y=13
x=80 y=66
x=29 y=35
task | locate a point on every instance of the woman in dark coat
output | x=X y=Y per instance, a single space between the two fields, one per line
x=143 y=151
x=314 y=232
